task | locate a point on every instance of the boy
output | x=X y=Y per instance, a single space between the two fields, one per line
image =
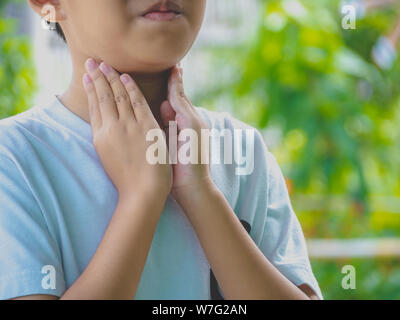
x=86 y=215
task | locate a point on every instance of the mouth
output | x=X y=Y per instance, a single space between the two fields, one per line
x=163 y=11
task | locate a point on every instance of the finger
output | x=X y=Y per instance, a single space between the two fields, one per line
x=171 y=129
x=94 y=112
x=139 y=104
x=105 y=96
x=167 y=113
x=121 y=96
x=167 y=116
x=176 y=93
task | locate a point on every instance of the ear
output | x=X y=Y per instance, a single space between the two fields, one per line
x=50 y=10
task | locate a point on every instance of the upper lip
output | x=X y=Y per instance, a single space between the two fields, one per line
x=164 y=6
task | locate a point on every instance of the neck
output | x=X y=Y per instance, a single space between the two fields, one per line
x=154 y=87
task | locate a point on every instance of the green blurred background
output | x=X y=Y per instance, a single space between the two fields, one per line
x=329 y=114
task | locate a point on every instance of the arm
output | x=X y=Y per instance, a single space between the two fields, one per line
x=234 y=257
x=241 y=269
x=115 y=269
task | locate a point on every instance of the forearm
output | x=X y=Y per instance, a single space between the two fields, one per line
x=241 y=269
x=115 y=269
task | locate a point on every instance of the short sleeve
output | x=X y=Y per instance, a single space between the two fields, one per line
x=29 y=259
x=282 y=240
x=264 y=203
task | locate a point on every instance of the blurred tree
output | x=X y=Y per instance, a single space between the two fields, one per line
x=17 y=72
x=337 y=116
x=316 y=82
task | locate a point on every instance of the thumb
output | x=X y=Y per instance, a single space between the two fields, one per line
x=167 y=113
x=176 y=93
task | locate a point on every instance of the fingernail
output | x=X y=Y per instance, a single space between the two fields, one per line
x=105 y=68
x=125 y=78
x=91 y=64
x=87 y=78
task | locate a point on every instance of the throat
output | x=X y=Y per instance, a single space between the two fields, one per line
x=154 y=88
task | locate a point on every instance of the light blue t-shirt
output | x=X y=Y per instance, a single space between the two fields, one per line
x=56 y=202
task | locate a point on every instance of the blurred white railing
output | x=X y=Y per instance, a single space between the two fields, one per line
x=353 y=248
x=349 y=248
x=309 y=202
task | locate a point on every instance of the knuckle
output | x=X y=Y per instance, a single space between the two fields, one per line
x=89 y=88
x=105 y=97
x=131 y=89
x=113 y=79
x=112 y=126
x=96 y=76
x=121 y=98
x=92 y=105
x=107 y=131
x=138 y=103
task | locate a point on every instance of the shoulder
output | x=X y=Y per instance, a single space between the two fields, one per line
x=15 y=155
x=222 y=120
x=243 y=135
x=240 y=160
x=248 y=141
x=17 y=130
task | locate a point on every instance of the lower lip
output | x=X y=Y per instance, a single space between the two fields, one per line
x=161 y=16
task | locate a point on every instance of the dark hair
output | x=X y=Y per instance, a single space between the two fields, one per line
x=60 y=31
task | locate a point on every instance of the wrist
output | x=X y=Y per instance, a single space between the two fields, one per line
x=195 y=194
x=134 y=198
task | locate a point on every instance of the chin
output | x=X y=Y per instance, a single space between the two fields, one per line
x=146 y=65
x=153 y=60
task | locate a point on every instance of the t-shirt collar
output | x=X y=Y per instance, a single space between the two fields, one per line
x=59 y=113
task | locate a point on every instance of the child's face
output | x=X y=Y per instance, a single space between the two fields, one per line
x=117 y=31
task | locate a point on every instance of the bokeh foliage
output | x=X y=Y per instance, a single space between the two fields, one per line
x=17 y=72
x=315 y=81
x=375 y=278
x=337 y=116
